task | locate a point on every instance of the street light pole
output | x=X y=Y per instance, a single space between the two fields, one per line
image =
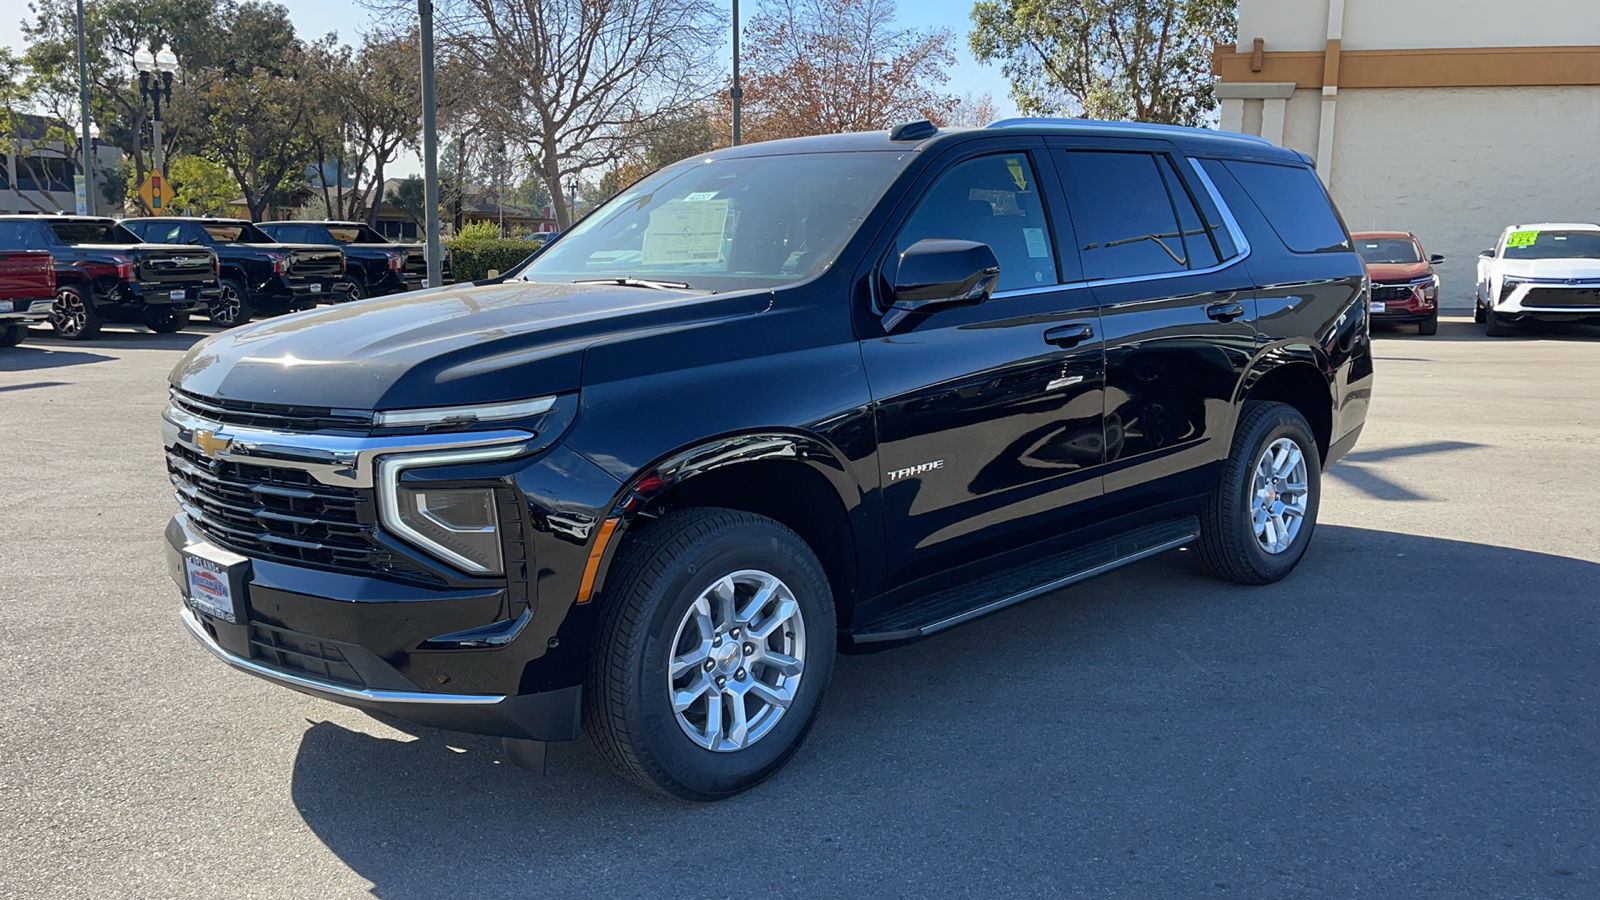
x=430 y=148
x=83 y=115
x=737 y=93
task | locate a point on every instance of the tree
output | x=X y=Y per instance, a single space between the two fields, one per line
x=1140 y=60
x=690 y=133
x=257 y=126
x=204 y=187
x=410 y=198
x=971 y=111
x=376 y=100
x=824 y=66
x=568 y=82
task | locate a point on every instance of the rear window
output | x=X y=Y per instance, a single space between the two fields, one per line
x=236 y=233
x=1294 y=203
x=356 y=234
x=92 y=233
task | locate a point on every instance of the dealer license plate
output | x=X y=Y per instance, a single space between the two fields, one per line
x=180 y=295
x=5 y=306
x=316 y=289
x=214 y=577
x=1376 y=306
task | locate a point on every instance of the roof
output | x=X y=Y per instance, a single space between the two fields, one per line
x=1555 y=226
x=1365 y=235
x=214 y=220
x=335 y=222
x=53 y=217
x=1190 y=139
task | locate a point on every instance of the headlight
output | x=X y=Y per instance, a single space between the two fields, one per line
x=1430 y=291
x=1509 y=284
x=464 y=415
x=458 y=526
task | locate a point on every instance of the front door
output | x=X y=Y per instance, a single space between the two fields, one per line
x=988 y=416
x=1177 y=309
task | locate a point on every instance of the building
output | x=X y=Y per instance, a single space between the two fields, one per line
x=36 y=174
x=1448 y=118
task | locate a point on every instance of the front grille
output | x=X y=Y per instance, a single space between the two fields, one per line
x=274 y=416
x=1392 y=293
x=284 y=515
x=1562 y=298
x=302 y=653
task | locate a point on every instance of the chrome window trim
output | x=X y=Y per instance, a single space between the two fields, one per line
x=1240 y=242
x=327 y=688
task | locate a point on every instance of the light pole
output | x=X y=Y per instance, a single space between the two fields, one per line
x=736 y=92
x=155 y=85
x=83 y=116
x=430 y=148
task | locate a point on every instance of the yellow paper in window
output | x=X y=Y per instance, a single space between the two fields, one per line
x=1522 y=239
x=686 y=232
x=1017 y=175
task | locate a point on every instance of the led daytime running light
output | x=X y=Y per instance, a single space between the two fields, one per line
x=461 y=415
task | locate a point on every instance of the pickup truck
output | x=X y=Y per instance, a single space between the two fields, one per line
x=377 y=265
x=27 y=289
x=259 y=274
x=831 y=393
x=105 y=273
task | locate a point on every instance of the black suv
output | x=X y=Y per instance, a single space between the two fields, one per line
x=377 y=266
x=842 y=391
x=258 y=273
x=106 y=273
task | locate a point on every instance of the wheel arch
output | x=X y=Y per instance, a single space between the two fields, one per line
x=1300 y=377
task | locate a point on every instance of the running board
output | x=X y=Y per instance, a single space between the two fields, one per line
x=954 y=606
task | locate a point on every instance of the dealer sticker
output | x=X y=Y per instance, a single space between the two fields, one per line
x=1522 y=239
x=209 y=590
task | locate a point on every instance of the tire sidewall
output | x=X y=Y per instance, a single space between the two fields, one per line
x=1285 y=422
x=91 y=326
x=706 y=773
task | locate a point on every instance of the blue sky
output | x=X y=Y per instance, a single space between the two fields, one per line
x=314 y=18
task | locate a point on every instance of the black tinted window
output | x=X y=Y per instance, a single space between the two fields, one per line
x=1292 y=199
x=294 y=234
x=16 y=235
x=1126 y=223
x=993 y=200
x=92 y=233
x=1202 y=250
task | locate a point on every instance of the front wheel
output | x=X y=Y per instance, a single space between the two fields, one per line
x=1430 y=326
x=12 y=334
x=1496 y=325
x=73 y=315
x=1259 y=522
x=233 y=307
x=716 y=646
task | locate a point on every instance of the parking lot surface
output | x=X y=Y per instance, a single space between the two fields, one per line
x=1414 y=713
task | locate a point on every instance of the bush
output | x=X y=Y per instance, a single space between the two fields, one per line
x=479 y=231
x=472 y=259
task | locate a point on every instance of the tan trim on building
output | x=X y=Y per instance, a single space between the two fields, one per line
x=1471 y=67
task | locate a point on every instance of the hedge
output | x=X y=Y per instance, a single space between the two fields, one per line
x=471 y=260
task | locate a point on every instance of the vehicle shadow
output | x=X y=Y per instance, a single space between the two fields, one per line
x=1403 y=716
x=1470 y=331
x=123 y=337
x=38 y=354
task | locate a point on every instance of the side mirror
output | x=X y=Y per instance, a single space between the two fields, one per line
x=1435 y=260
x=1487 y=254
x=939 y=273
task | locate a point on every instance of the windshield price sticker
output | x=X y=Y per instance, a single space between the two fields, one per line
x=685 y=231
x=1522 y=239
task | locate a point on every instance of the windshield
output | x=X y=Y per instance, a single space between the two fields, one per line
x=725 y=224
x=1553 y=245
x=1379 y=251
x=92 y=233
x=237 y=233
x=356 y=234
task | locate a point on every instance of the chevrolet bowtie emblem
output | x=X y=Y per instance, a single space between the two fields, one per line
x=211 y=445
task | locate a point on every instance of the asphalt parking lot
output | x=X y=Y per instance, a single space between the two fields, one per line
x=1414 y=713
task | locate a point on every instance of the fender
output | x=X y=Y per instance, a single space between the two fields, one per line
x=1283 y=353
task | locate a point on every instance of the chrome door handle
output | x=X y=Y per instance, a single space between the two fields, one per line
x=1069 y=335
x=1225 y=312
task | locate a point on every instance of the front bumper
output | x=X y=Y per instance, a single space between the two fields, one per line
x=1577 y=299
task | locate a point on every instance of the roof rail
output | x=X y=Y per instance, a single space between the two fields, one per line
x=1151 y=127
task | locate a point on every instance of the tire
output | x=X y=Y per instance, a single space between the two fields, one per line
x=358 y=289
x=659 y=578
x=1231 y=548
x=233 y=308
x=165 y=321
x=12 y=334
x=1496 y=325
x=1430 y=326
x=1478 y=315
x=73 y=315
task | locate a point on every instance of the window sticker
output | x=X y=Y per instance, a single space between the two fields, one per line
x=1522 y=239
x=683 y=231
x=1038 y=248
x=1017 y=174
x=697 y=196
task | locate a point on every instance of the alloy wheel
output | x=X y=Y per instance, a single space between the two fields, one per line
x=225 y=309
x=69 y=314
x=737 y=659
x=1279 y=496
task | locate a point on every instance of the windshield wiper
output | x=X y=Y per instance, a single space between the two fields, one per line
x=636 y=282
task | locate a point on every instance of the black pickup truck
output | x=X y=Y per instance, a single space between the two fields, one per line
x=106 y=273
x=259 y=275
x=834 y=392
x=377 y=266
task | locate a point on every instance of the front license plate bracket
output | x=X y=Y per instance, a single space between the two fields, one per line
x=215 y=581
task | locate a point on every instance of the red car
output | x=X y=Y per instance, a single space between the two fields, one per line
x=1405 y=289
x=27 y=288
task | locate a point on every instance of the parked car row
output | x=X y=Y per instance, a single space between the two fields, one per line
x=159 y=271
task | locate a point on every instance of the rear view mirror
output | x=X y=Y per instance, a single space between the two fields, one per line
x=1435 y=260
x=936 y=273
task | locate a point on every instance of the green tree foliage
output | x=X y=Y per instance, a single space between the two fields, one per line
x=205 y=187
x=1139 y=60
x=472 y=258
x=411 y=197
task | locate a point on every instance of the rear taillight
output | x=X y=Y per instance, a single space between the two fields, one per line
x=216 y=266
x=396 y=260
x=124 y=267
x=278 y=264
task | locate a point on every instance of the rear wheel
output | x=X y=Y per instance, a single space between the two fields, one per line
x=358 y=289
x=233 y=307
x=12 y=334
x=166 y=321
x=1429 y=326
x=1477 y=312
x=1497 y=325
x=715 y=650
x=1259 y=522
x=73 y=316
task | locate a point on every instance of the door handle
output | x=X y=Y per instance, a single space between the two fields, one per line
x=1069 y=335
x=1225 y=312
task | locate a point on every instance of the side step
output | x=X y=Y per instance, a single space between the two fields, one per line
x=963 y=603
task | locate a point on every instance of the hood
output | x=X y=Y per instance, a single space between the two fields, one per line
x=1391 y=273
x=1551 y=268
x=452 y=347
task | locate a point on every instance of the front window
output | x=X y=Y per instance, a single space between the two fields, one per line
x=1553 y=245
x=1388 y=251
x=356 y=234
x=725 y=224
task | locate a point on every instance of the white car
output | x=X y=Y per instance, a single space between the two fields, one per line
x=1548 y=272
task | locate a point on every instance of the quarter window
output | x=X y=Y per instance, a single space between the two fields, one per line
x=993 y=200
x=1295 y=204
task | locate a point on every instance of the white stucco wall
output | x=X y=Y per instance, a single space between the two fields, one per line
x=1457 y=165
x=1398 y=24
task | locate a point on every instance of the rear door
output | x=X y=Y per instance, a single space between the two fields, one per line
x=988 y=416
x=1176 y=307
